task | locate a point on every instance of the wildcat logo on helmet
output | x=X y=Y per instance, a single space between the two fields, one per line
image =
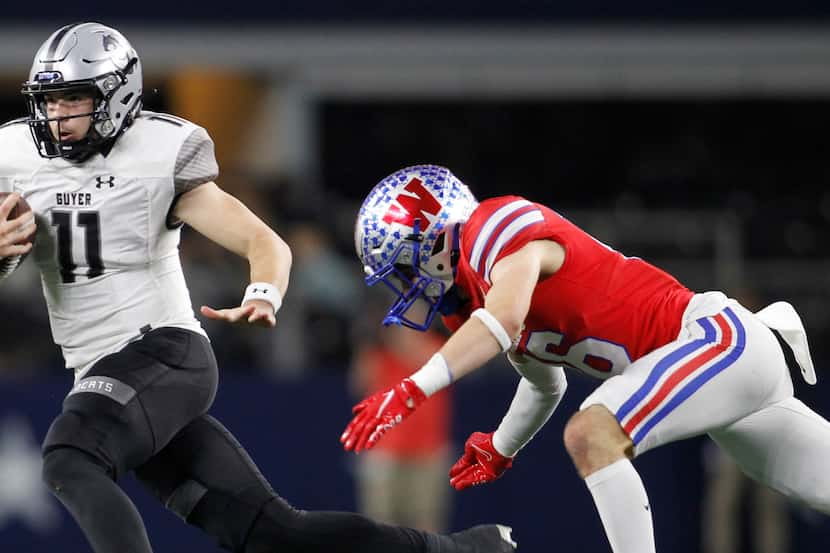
x=110 y=42
x=415 y=203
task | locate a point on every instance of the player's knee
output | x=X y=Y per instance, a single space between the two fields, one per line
x=247 y=522
x=577 y=436
x=51 y=471
x=279 y=522
x=66 y=467
x=593 y=430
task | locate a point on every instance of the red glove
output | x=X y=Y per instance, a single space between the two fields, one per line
x=481 y=463
x=378 y=413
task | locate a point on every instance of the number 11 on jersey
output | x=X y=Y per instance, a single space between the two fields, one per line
x=91 y=223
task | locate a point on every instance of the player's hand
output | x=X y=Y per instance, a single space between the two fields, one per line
x=481 y=463
x=377 y=414
x=14 y=230
x=255 y=312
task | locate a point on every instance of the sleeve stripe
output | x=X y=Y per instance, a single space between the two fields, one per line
x=489 y=227
x=195 y=162
x=511 y=230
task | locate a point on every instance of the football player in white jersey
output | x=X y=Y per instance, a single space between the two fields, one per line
x=110 y=186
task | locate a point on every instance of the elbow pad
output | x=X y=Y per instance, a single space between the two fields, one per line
x=545 y=377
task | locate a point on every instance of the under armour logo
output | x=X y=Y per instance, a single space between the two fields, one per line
x=101 y=180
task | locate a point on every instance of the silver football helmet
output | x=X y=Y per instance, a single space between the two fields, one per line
x=407 y=236
x=84 y=57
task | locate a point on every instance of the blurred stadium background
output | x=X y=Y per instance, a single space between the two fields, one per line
x=693 y=135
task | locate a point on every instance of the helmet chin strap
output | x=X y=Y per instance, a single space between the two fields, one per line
x=452 y=301
x=86 y=147
x=455 y=252
x=416 y=238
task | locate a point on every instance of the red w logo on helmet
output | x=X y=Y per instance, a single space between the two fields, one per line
x=419 y=201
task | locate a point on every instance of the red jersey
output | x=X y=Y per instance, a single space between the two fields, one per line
x=599 y=312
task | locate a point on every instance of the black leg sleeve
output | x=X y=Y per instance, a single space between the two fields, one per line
x=279 y=527
x=282 y=529
x=207 y=478
x=103 y=511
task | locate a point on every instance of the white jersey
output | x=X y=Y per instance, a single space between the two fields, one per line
x=107 y=247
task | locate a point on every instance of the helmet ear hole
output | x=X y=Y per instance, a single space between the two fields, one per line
x=439 y=243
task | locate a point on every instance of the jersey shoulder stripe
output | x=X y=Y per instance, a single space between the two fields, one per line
x=158 y=138
x=167 y=118
x=171 y=120
x=18 y=121
x=500 y=228
x=489 y=226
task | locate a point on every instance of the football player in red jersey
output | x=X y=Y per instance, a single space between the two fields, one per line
x=509 y=275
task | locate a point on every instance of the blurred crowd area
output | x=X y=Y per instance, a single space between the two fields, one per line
x=726 y=194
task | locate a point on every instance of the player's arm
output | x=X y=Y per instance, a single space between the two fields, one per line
x=483 y=336
x=225 y=220
x=487 y=456
x=514 y=279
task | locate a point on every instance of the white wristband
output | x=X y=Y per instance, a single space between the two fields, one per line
x=495 y=328
x=435 y=375
x=265 y=292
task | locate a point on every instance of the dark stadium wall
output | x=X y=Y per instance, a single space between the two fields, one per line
x=541 y=497
x=427 y=11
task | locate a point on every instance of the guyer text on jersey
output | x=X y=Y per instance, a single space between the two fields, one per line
x=74 y=198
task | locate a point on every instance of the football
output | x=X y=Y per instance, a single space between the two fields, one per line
x=9 y=264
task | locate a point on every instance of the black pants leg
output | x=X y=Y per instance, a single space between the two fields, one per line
x=126 y=409
x=86 y=489
x=143 y=409
x=207 y=478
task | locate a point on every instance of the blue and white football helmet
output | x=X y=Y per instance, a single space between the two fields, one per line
x=407 y=236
